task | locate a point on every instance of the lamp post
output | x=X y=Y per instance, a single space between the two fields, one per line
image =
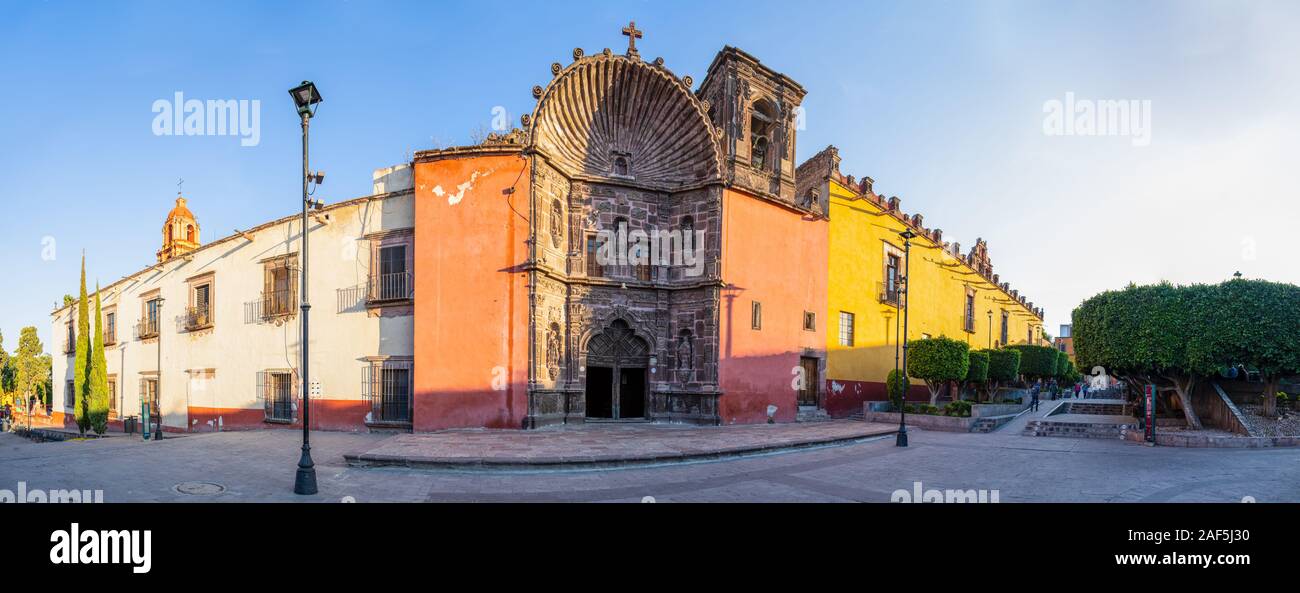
x=907 y=236
x=990 y=329
x=157 y=396
x=304 y=97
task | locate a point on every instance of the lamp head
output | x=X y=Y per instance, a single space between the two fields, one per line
x=304 y=96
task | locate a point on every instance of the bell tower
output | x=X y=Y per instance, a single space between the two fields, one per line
x=756 y=109
x=180 y=232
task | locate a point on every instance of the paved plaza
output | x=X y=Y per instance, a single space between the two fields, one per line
x=259 y=466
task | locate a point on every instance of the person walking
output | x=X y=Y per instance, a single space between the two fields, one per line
x=1033 y=396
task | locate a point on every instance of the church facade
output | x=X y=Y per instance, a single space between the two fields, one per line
x=657 y=262
x=639 y=249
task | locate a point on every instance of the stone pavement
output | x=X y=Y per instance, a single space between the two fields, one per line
x=604 y=445
x=258 y=466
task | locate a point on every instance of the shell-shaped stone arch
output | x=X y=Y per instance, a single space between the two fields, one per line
x=606 y=112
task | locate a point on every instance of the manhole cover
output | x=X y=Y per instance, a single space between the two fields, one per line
x=199 y=488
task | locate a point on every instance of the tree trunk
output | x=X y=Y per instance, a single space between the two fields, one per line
x=934 y=392
x=1184 y=390
x=1270 y=396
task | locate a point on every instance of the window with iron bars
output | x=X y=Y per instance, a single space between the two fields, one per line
x=391 y=279
x=148 y=326
x=969 y=317
x=199 y=315
x=277 y=389
x=387 y=386
x=110 y=328
x=279 y=288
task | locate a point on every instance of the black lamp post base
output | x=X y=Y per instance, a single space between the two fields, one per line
x=305 y=482
x=902 y=437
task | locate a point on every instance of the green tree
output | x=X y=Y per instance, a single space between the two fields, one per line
x=978 y=373
x=98 y=373
x=937 y=361
x=1036 y=362
x=896 y=385
x=1257 y=324
x=1004 y=366
x=69 y=300
x=82 y=367
x=32 y=367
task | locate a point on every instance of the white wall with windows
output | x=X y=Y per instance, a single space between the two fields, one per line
x=216 y=321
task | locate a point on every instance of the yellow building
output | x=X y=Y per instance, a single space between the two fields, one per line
x=953 y=294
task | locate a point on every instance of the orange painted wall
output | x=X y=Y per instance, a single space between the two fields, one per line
x=776 y=256
x=471 y=303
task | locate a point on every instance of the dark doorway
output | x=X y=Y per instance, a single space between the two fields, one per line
x=600 y=392
x=631 y=393
x=808 y=391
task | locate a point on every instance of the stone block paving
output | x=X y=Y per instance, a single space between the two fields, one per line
x=604 y=445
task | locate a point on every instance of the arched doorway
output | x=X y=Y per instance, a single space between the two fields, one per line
x=617 y=360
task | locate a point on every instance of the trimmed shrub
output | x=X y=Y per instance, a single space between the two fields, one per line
x=937 y=361
x=896 y=386
x=1036 y=362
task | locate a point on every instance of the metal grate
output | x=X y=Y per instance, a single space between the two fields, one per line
x=388 y=387
x=197 y=317
x=277 y=391
x=395 y=286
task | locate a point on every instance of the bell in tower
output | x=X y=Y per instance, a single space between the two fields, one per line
x=756 y=109
x=180 y=232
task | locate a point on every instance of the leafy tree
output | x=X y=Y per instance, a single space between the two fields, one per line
x=978 y=373
x=1062 y=361
x=1036 y=362
x=82 y=367
x=31 y=367
x=937 y=361
x=69 y=299
x=1257 y=324
x=98 y=406
x=1004 y=365
x=897 y=385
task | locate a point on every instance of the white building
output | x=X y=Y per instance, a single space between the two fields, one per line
x=213 y=330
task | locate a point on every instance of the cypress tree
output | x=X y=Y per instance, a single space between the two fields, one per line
x=81 y=369
x=98 y=373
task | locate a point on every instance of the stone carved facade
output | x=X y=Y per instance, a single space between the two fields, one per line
x=639 y=154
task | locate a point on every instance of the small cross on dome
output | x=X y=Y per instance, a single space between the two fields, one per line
x=632 y=35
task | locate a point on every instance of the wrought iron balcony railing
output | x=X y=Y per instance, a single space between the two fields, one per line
x=889 y=294
x=397 y=286
x=198 y=317
x=146 y=328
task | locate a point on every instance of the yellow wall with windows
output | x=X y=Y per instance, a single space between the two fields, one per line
x=860 y=230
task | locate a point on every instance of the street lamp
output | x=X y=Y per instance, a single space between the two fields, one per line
x=157 y=396
x=305 y=97
x=990 y=329
x=907 y=236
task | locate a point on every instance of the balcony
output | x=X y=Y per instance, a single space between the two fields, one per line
x=272 y=305
x=146 y=328
x=69 y=345
x=387 y=288
x=889 y=295
x=197 y=318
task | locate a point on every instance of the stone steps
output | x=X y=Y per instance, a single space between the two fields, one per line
x=1088 y=430
x=1096 y=409
x=811 y=414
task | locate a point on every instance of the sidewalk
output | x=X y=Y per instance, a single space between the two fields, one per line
x=594 y=446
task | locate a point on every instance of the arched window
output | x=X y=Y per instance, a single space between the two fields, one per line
x=621 y=167
x=189 y=233
x=762 y=124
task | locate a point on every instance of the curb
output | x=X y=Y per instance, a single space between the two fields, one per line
x=587 y=462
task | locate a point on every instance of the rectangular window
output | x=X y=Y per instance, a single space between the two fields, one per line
x=1029 y=336
x=69 y=396
x=969 y=317
x=388 y=387
x=110 y=328
x=809 y=321
x=1005 y=327
x=846 y=328
x=594 y=269
x=892 y=287
x=199 y=314
x=149 y=319
x=391 y=280
x=276 y=389
x=756 y=315
x=112 y=396
x=279 y=286
x=149 y=396
x=70 y=340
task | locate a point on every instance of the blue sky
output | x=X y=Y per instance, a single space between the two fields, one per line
x=940 y=102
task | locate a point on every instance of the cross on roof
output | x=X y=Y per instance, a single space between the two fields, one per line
x=632 y=35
